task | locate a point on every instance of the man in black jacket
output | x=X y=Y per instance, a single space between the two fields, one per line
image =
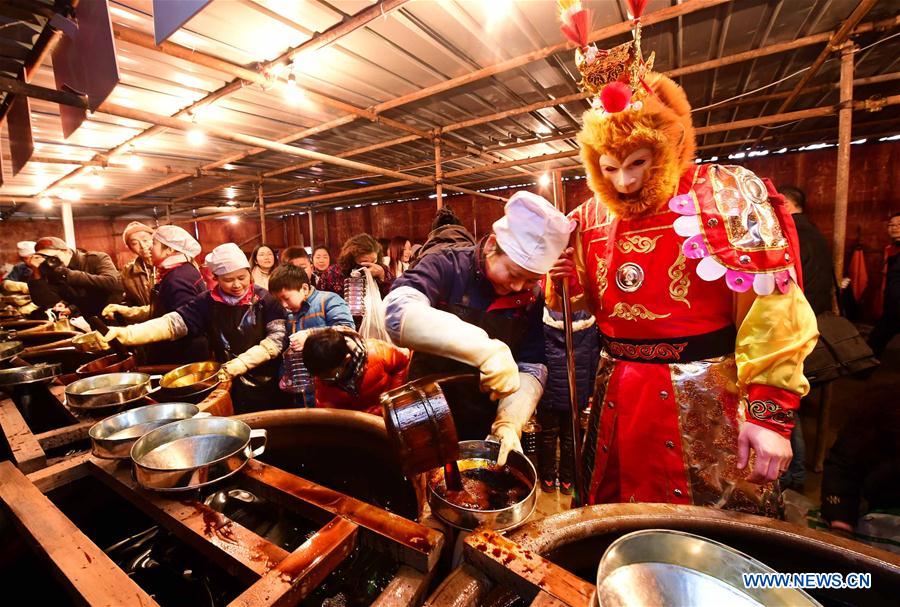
x=86 y=280
x=815 y=255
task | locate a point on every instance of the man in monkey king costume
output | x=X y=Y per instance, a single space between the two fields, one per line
x=689 y=270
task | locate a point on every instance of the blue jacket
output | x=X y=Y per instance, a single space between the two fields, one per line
x=586 y=340
x=19 y=273
x=321 y=309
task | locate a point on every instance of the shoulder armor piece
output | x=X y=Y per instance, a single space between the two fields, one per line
x=733 y=228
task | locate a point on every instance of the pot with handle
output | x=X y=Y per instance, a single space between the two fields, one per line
x=113 y=437
x=108 y=390
x=194 y=452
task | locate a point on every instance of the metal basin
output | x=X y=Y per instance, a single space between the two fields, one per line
x=111 y=363
x=9 y=349
x=194 y=452
x=107 y=390
x=30 y=374
x=113 y=437
x=190 y=379
x=665 y=567
x=480 y=454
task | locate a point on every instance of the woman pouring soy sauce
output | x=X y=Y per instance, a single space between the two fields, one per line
x=244 y=325
x=479 y=309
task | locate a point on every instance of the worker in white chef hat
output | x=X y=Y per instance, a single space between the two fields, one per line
x=17 y=279
x=245 y=326
x=479 y=309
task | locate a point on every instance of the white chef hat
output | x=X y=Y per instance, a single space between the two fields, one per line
x=178 y=239
x=226 y=258
x=532 y=232
x=25 y=248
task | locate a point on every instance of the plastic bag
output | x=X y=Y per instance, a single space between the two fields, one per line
x=373 y=325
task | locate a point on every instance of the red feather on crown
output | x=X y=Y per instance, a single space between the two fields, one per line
x=575 y=21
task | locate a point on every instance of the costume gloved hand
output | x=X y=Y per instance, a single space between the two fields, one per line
x=133 y=313
x=54 y=270
x=262 y=352
x=156 y=329
x=436 y=332
x=513 y=412
x=15 y=286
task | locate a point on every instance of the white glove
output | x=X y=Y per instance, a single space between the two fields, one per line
x=436 y=332
x=157 y=329
x=15 y=286
x=513 y=412
x=262 y=352
x=133 y=313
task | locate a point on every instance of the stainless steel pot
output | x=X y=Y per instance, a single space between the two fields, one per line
x=30 y=374
x=194 y=452
x=190 y=379
x=477 y=453
x=9 y=349
x=113 y=437
x=111 y=363
x=108 y=390
x=665 y=567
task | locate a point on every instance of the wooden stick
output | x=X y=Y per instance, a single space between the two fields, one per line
x=24 y=448
x=842 y=174
x=89 y=574
x=438 y=173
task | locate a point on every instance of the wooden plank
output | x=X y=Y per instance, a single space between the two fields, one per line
x=60 y=437
x=225 y=542
x=413 y=544
x=545 y=600
x=88 y=573
x=291 y=580
x=527 y=572
x=406 y=589
x=55 y=476
x=26 y=451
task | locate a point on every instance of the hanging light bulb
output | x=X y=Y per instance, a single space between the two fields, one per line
x=196 y=137
x=134 y=161
x=232 y=219
x=544 y=180
x=45 y=202
x=292 y=91
x=95 y=180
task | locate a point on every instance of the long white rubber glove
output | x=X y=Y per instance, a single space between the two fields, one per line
x=132 y=313
x=436 y=332
x=157 y=329
x=15 y=286
x=262 y=352
x=513 y=412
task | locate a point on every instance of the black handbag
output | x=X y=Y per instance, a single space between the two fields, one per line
x=840 y=350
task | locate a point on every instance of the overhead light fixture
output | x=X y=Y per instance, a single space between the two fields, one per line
x=233 y=219
x=95 y=180
x=70 y=195
x=496 y=12
x=229 y=167
x=544 y=180
x=230 y=193
x=292 y=91
x=196 y=137
x=45 y=202
x=134 y=161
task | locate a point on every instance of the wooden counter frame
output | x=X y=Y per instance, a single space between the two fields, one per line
x=275 y=577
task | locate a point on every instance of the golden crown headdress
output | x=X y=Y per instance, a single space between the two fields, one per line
x=614 y=78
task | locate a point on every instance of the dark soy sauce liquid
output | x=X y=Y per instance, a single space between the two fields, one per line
x=489 y=488
x=452 y=478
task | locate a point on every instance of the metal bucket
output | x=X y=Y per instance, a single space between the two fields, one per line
x=193 y=453
x=480 y=454
x=420 y=424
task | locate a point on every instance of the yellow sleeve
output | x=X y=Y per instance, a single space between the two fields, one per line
x=776 y=334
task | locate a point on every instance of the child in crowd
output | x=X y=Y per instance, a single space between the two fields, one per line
x=307 y=308
x=351 y=372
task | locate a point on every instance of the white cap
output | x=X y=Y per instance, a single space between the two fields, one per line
x=178 y=239
x=25 y=248
x=226 y=258
x=532 y=232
